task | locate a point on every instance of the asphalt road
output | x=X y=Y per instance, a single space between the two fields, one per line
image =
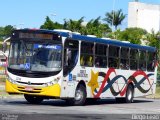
x=19 y=109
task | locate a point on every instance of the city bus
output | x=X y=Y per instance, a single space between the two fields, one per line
x=60 y=64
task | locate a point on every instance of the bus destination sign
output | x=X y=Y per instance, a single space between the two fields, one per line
x=36 y=35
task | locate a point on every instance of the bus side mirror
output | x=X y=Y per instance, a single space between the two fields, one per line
x=66 y=57
x=4 y=47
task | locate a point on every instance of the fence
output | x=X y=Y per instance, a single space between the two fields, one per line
x=3 y=65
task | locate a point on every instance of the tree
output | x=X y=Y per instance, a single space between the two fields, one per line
x=49 y=24
x=73 y=25
x=114 y=18
x=95 y=27
x=6 y=31
x=133 y=35
x=154 y=39
x=1 y=33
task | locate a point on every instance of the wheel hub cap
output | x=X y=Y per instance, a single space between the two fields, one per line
x=78 y=95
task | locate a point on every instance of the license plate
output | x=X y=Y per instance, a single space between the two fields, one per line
x=29 y=88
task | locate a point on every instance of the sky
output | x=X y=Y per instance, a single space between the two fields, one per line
x=32 y=13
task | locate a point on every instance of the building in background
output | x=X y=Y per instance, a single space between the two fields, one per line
x=142 y=15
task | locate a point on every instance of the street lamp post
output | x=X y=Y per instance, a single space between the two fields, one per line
x=18 y=26
x=21 y=25
x=158 y=38
x=53 y=14
x=113 y=9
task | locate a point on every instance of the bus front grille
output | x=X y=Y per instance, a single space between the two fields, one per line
x=26 y=83
x=34 y=90
x=29 y=91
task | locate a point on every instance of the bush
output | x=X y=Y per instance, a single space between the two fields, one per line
x=132 y=35
x=158 y=83
x=158 y=78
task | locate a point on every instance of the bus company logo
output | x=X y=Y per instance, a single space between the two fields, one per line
x=56 y=47
x=29 y=83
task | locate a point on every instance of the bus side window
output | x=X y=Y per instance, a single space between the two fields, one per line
x=86 y=58
x=67 y=57
x=151 y=59
x=124 y=58
x=142 y=60
x=113 y=58
x=82 y=60
x=70 y=55
x=133 y=59
x=90 y=61
x=101 y=51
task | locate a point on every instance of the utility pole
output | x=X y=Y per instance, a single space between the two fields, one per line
x=113 y=9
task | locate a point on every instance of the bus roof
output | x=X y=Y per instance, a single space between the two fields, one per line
x=107 y=41
x=94 y=39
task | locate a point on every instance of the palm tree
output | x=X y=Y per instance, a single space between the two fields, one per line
x=115 y=18
x=154 y=39
x=95 y=27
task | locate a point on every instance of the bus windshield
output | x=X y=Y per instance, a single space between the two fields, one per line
x=35 y=56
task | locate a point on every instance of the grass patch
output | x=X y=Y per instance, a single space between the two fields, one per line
x=2 y=79
x=3 y=93
x=158 y=89
x=157 y=94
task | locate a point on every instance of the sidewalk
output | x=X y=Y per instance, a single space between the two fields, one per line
x=4 y=95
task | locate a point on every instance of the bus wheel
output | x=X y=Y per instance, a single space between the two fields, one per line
x=80 y=96
x=129 y=94
x=33 y=99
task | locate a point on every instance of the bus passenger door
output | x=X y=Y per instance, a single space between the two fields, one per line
x=69 y=63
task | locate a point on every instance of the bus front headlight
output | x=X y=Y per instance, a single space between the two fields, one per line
x=54 y=81
x=11 y=80
x=49 y=83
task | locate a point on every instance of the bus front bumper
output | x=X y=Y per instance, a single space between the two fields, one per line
x=50 y=91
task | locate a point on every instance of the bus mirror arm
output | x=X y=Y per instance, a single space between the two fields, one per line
x=4 y=45
x=66 y=57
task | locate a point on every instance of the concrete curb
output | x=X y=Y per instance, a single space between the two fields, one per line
x=7 y=96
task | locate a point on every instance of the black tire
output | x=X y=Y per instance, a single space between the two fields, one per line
x=80 y=96
x=33 y=99
x=129 y=95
